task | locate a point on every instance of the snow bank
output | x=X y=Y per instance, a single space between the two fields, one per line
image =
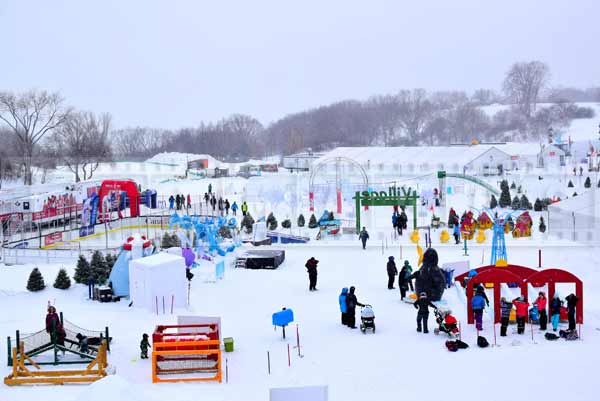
x=112 y=387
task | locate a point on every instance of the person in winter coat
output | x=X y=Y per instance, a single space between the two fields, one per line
x=402 y=220
x=456 y=233
x=478 y=305
x=144 y=345
x=220 y=206
x=430 y=278
x=404 y=279
x=227 y=206
x=83 y=344
x=234 y=208
x=505 y=308
x=213 y=203
x=210 y=188
x=178 y=202
x=572 y=301
x=351 y=303
x=522 y=308
x=171 y=202
x=391 y=272
x=206 y=198
x=555 y=306
x=363 y=236
x=343 y=307
x=395 y=221
x=189 y=201
x=54 y=327
x=541 y=303
x=244 y=208
x=422 y=305
x=481 y=291
x=311 y=267
x=410 y=272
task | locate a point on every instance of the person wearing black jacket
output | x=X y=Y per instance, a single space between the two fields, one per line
x=422 y=305
x=572 y=301
x=311 y=267
x=351 y=303
x=391 y=271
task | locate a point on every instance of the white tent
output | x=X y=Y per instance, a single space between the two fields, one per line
x=158 y=279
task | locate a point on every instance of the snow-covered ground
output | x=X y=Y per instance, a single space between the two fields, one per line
x=394 y=362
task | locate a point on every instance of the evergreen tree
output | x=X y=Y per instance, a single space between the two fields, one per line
x=525 y=204
x=82 y=271
x=503 y=185
x=574 y=193
x=312 y=222
x=570 y=184
x=247 y=223
x=35 y=281
x=542 y=226
x=513 y=185
x=587 y=183
x=516 y=203
x=519 y=189
x=99 y=268
x=505 y=197
x=493 y=202
x=286 y=223
x=166 y=241
x=62 y=281
x=538 y=206
x=111 y=259
x=301 y=221
x=330 y=216
x=271 y=222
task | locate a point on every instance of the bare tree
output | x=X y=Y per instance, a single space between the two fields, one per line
x=523 y=84
x=82 y=142
x=30 y=116
x=415 y=111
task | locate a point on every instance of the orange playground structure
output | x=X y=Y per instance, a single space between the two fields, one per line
x=186 y=353
x=95 y=370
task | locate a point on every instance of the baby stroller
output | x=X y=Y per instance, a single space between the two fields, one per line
x=446 y=323
x=367 y=318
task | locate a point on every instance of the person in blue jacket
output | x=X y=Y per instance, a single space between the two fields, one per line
x=343 y=307
x=234 y=208
x=171 y=202
x=395 y=221
x=478 y=304
x=456 y=233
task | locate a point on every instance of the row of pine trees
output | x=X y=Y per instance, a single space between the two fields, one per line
x=97 y=271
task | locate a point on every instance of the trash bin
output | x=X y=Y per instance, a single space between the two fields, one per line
x=228 y=341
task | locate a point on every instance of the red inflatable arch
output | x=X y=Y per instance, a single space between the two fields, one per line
x=128 y=186
x=553 y=276
x=521 y=271
x=496 y=276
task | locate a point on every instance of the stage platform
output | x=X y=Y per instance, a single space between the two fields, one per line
x=261 y=259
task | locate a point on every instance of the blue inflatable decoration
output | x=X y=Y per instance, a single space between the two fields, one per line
x=283 y=318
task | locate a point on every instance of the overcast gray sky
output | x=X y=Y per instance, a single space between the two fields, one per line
x=175 y=63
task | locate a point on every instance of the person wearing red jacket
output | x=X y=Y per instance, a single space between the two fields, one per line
x=522 y=307
x=541 y=302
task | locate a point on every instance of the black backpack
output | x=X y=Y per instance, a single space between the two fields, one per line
x=461 y=344
x=482 y=342
x=551 y=336
x=452 y=346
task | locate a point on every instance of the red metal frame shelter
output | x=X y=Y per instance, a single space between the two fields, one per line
x=496 y=276
x=521 y=271
x=553 y=276
x=121 y=185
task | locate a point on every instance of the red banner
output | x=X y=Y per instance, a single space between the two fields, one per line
x=52 y=239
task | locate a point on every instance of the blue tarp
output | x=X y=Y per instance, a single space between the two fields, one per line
x=119 y=276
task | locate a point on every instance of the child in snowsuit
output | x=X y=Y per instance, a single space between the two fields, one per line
x=391 y=272
x=422 y=305
x=363 y=236
x=481 y=291
x=311 y=267
x=541 y=303
x=351 y=303
x=522 y=308
x=478 y=304
x=144 y=344
x=403 y=279
x=83 y=344
x=343 y=307
x=456 y=233
x=571 y=305
x=505 y=308
x=555 y=305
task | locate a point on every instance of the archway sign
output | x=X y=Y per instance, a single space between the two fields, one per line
x=395 y=196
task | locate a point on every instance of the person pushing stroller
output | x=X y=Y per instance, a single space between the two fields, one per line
x=422 y=305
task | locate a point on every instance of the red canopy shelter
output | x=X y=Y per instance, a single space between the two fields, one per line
x=553 y=276
x=495 y=276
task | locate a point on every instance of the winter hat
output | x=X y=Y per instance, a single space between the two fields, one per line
x=430 y=258
x=406 y=263
x=352 y=290
x=144 y=335
x=391 y=258
x=344 y=290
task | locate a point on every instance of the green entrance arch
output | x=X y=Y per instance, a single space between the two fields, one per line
x=395 y=196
